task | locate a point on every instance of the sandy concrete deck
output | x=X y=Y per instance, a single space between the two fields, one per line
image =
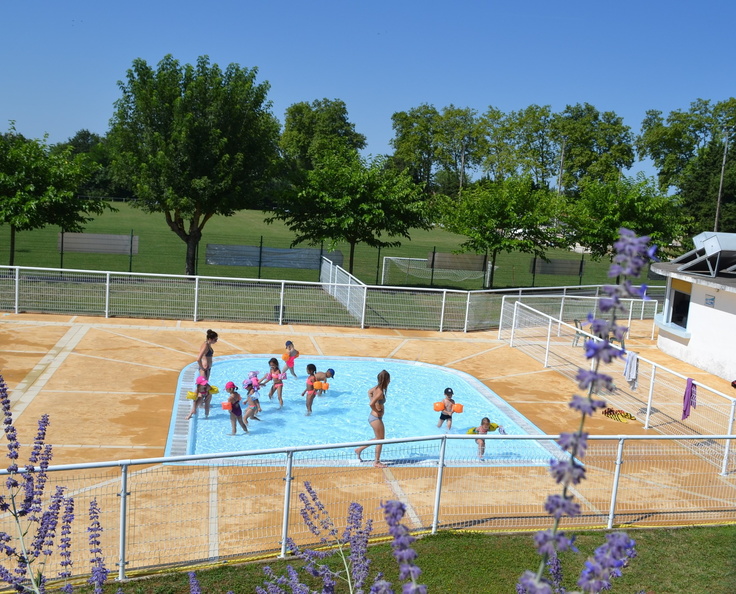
x=108 y=384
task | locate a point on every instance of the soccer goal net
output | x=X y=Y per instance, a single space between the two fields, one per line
x=403 y=271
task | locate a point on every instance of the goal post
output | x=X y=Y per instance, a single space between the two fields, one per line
x=397 y=271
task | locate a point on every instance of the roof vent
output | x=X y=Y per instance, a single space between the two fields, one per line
x=714 y=254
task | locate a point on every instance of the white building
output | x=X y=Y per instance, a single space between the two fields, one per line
x=698 y=321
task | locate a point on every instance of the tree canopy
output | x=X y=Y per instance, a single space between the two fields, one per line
x=509 y=215
x=38 y=187
x=193 y=141
x=347 y=198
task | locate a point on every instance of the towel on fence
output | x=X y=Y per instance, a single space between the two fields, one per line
x=690 y=398
x=631 y=370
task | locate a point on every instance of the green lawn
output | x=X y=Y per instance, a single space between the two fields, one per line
x=692 y=560
x=161 y=251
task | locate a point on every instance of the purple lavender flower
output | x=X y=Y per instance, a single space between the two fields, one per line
x=632 y=254
x=404 y=554
x=194 y=584
x=99 y=572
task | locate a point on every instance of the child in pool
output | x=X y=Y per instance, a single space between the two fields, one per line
x=253 y=387
x=309 y=390
x=204 y=396
x=483 y=429
x=323 y=376
x=236 y=414
x=251 y=405
x=289 y=356
x=446 y=414
x=275 y=375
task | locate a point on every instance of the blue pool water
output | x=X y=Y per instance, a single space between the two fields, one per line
x=341 y=415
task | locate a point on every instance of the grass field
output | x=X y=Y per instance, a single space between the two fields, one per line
x=161 y=251
x=675 y=561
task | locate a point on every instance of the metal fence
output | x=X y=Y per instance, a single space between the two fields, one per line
x=339 y=299
x=164 y=512
x=654 y=395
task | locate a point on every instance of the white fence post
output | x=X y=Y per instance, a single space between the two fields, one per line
x=549 y=339
x=651 y=395
x=616 y=476
x=123 y=521
x=467 y=312
x=17 y=289
x=365 y=304
x=281 y=303
x=513 y=324
x=727 y=445
x=287 y=499
x=196 y=297
x=438 y=488
x=107 y=294
x=442 y=313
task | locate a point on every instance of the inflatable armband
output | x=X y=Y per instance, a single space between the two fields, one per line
x=471 y=431
x=438 y=406
x=458 y=408
x=214 y=390
x=317 y=385
x=325 y=386
x=227 y=406
x=192 y=395
x=285 y=357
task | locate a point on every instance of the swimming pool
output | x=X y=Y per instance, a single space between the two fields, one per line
x=341 y=415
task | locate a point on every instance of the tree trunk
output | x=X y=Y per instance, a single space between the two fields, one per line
x=493 y=268
x=12 y=246
x=351 y=258
x=191 y=260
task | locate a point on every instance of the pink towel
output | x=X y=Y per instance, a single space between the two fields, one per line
x=690 y=398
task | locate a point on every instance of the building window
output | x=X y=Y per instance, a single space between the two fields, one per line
x=680 y=308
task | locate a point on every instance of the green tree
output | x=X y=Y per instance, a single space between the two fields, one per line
x=38 y=187
x=349 y=199
x=414 y=143
x=457 y=142
x=498 y=148
x=311 y=129
x=635 y=203
x=193 y=142
x=97 y=148
x=594 y=145
x=510 y=215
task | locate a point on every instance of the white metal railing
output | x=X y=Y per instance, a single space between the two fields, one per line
x=350 y=302
x=190 y=509
x=655 y=393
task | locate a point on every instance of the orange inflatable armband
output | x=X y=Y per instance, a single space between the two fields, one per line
x=285 y=357
x=458 y=408
x=227 y=406
x=317 y=385
x=438 y=406
x=325 y=386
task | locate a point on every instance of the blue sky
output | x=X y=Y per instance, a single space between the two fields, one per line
x=60 y=61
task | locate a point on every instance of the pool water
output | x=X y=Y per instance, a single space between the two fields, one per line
x=341 y=415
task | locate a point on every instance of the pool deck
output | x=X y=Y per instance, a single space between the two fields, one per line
x=109 y=384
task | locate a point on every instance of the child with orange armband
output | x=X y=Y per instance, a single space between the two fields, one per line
x=289 y=356
x=320 y=379
x=446 y=413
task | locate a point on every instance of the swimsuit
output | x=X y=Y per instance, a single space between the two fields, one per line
x=445 y=417
x=310 y=385
x=372 y=417
x=236 y=410
x=276 y=377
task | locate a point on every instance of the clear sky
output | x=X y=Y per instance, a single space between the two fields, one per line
x=61 y=60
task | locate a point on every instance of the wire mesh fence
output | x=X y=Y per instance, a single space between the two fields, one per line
x=187 y=510
x=654 y=393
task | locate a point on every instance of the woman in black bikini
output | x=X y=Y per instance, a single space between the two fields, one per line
x=377 y=395
x=205 y=354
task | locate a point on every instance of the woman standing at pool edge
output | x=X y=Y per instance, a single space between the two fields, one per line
x=205 y=354
x=377 y=396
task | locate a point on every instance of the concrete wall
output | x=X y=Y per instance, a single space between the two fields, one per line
x=712 y=342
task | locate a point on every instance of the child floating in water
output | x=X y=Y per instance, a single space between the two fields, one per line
x=446 y=414
x=275 y=375
x=483 y=429
x=236 y=414
x=289 y=356
x=322 y=377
